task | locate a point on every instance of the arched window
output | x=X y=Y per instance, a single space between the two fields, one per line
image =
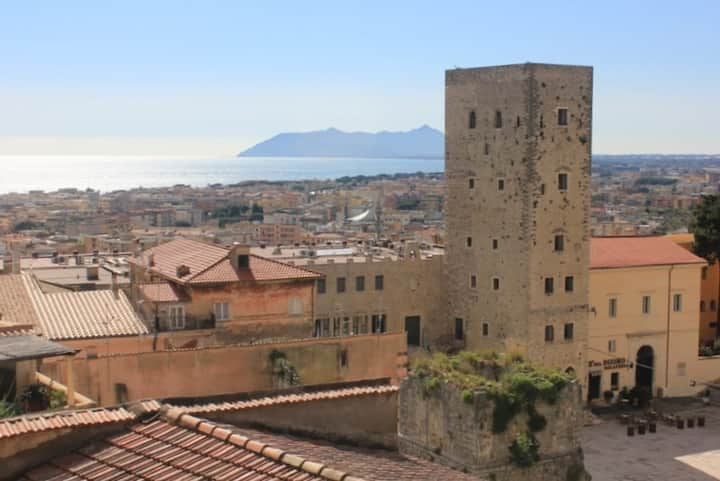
x=472 y=120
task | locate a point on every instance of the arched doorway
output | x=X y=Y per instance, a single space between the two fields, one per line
x=644 y=365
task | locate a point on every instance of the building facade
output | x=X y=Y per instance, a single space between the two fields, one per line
x=518 y=177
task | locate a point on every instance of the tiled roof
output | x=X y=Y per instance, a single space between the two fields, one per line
x=17 y=426
x=182 y=447
x=163 y=292
x=210 y=264
x=291 y=399
x=82 y=315
x=610 y=252
x=15 y=303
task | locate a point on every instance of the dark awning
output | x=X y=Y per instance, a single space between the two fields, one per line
x=21 y=348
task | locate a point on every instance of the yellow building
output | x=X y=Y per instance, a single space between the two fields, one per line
x=709 y=293
x=644 y=311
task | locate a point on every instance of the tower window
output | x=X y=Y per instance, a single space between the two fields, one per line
x=472 y=120
x=487 y=148
x=495 y=244
x=569 y=283
x=459 y=331
x=517 y=121
x=501 y=184
x=569 y=331
x=562 y=181
x=485 y=329
x=549 y=285
x=471 y=183
x=473 y=281
x=498 y=119
x=340 y=284
x=559 y=243
x=549 y=333
x=468 y=242
x=496 y=283
x=562 y=117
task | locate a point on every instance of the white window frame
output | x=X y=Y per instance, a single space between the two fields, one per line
x=221 y=311
x=175 y=321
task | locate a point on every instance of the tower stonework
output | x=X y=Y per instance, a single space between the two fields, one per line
x=517 y=167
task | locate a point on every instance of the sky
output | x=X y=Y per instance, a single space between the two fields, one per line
x=211 y=78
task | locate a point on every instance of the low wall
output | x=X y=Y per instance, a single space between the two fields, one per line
x=368 y=420
x=220 y=370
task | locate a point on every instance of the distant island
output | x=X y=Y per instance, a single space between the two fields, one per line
x=423 y=142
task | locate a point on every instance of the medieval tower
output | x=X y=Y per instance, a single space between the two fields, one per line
x=517 y=166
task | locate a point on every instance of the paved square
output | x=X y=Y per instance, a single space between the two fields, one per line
x=670 y=454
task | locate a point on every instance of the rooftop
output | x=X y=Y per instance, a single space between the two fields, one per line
x=15 y=303
x=22 y=348
x=613 y=252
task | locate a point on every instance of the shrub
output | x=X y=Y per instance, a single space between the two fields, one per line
x=524 y=450
x=536 y=421
x=468 y=396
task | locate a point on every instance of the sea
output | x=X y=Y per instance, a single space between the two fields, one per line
x=109 y=173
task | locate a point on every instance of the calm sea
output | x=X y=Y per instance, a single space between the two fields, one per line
x=24 y=173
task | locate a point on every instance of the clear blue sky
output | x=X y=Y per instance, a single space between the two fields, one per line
x=213 y=77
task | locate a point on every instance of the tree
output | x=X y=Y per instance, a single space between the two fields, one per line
x=705 y=225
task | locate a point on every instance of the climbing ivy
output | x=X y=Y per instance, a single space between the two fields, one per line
x=283 y=369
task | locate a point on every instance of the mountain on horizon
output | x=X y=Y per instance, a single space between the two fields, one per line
x=423 y=142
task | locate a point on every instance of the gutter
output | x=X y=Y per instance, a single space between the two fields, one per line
x=667 y=334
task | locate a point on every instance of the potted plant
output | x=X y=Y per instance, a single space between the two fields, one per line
x=608 y=396
x=35 y=398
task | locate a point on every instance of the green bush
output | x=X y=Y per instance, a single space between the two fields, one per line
x=536 y=421
x=524 y=450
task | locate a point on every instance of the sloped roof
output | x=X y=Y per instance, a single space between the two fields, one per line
x=612 y=252
x=21 y=348
x=210 y=264
x=82 y=315
x=163 y=292
x=15 y=303
x=30 y=423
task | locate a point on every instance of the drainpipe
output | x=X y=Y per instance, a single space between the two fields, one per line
x=667 y=333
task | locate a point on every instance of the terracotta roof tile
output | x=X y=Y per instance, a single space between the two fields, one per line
x=20 y=425
x=611 y=252
x=15 y=303
x=209 y=264
x=163 y=292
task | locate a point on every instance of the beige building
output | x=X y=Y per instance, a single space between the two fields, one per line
x=643 y=330
x=517 y=214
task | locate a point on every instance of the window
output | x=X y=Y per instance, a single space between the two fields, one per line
x=712 y=305
x=321 y=286
x=562 y=181
x=559 y=242
x=569 y=331
x=562 y=117
x=340 y=284
x=498 y=119
x=379 y=281
x=501 y=184
x=542 y=189
x=346 y=324
x=569 y=283
x=677 y=302
x=459 y=329
x=487 y=148
x=496 y=283
x=336 y=326
x=611 y=345
x=322 y=327
x=612 y=307
x=702 y=306
x=614 y=381
x=360 y=283
x=646 y=305
x=473 y=281
x=495 y=244
x=360 y=324
x=471 y=183
x=221 y=310
x=176 y=317
x=378 y=323
x=549 y=285
x=343 y=358
x=295 y=306
x=703 y=273
x=549 y=333
x=485 y=329
x=472 y=120
x=468 y=242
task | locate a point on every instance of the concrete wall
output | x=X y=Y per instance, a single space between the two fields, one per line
x=442 y=427
x=222 y=370
x=676 y=363
x=527 y=152
x=411 y=287
x=374 y=419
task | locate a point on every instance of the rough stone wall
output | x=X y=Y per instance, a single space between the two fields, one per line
x=527 y=152
x=442 y=427
x=411 y=287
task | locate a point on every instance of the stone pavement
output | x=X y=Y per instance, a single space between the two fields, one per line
x=668 y=455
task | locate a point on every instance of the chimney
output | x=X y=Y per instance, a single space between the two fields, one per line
x=93 y=273
x=115 y=287
x=240 y=256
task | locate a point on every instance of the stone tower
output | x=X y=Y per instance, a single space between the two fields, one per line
x=517 y=167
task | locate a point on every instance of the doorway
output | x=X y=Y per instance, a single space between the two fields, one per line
x=412 y=327
x=644 y=366
x=594 y=383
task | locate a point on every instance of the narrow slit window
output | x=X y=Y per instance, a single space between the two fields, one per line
x=498 y=119
x=569 y=283
x=471 y=183
x=468 y=242
x=549 y=285
x=549 y=333
x=501 y=184
x=496 y=283
x=559 y=243
x=472 y=120
x=562 y=116
x=487 y=148
x=562 y=181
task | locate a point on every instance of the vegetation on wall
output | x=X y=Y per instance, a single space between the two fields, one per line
x=283 y=369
